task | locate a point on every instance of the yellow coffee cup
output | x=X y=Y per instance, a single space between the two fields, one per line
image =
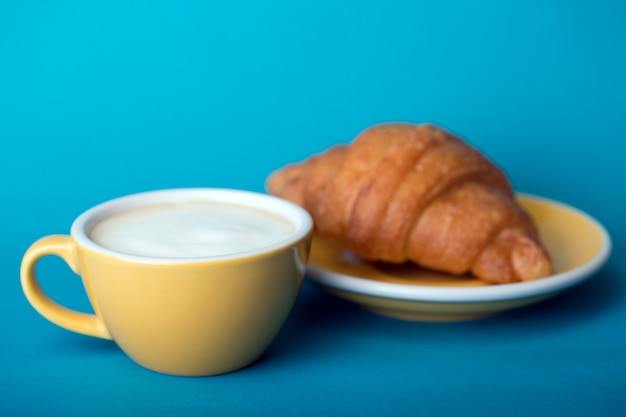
x=186 y=314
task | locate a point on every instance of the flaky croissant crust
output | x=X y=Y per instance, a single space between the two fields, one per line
x=404 y=192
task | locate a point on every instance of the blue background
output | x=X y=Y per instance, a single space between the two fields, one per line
x=103 y=99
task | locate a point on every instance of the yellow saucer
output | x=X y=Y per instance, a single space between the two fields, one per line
x=578 y=244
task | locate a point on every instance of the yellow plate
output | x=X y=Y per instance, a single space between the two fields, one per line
x=578 y=244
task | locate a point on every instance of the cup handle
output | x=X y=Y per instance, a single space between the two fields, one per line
x=63 y=247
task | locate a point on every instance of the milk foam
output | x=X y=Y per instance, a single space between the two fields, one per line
x=190 y=229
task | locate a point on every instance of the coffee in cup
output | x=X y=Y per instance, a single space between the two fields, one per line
x=186 y=281
x=190 y=229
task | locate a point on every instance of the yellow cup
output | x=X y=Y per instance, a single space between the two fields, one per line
x=181 y=316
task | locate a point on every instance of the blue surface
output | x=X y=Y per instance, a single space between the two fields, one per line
x=99 y=100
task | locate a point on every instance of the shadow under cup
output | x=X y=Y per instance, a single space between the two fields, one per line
x=182 y=316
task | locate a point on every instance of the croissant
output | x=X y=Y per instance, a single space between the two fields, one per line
x=402 y=192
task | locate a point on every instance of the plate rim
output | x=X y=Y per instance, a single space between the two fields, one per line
x=424 y=293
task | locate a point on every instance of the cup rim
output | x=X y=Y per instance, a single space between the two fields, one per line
x=296 y=214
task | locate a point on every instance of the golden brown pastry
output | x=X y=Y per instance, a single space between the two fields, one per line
x=403 y=192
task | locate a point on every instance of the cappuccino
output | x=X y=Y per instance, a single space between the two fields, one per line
x=190 y=229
